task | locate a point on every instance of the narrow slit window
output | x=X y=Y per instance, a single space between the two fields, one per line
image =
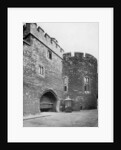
x=65 y=83
x=86 y=85
x=65 y=88
x=49 y=55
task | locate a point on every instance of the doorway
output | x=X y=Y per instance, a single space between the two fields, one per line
x=48 y=102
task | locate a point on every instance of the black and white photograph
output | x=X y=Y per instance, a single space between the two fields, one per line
x=60 y=74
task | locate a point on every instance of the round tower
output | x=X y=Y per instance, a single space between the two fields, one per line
x=80 y=80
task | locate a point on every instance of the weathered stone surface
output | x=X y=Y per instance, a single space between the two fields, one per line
x=34 y=85
x=36 y=44
x=76 y=68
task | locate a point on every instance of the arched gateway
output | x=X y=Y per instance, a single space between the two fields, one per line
x=48 y=101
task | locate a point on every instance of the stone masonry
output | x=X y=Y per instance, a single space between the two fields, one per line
x=35 y=48
x=45 y=68
x=77 y=69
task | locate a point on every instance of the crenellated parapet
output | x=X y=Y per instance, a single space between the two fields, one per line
x=80 y=60
x=42 y=36
x=80 y=57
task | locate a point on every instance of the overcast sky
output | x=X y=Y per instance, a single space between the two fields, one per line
x=74 y=37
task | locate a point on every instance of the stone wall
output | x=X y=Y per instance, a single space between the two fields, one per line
x=76 y=68
x=41 y=35
x=34 y=84
x=36 y=44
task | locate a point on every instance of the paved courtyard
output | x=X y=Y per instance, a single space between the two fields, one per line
x=83 y=118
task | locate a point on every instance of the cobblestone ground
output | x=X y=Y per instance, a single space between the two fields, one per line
x=83 y=118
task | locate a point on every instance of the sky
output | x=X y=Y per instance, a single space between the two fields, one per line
x=74 y=37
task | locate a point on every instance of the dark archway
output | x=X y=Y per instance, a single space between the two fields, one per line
x=48 y=102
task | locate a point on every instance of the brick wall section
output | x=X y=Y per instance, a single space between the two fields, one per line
x=76 y=68
x=35 y=53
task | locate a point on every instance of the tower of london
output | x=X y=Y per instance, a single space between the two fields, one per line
x=50 y=75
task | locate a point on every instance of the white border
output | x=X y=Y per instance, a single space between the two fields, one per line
x=16 y=131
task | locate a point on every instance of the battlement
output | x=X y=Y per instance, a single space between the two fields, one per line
x=66 y=56
x=80 y=57
x=39 y=33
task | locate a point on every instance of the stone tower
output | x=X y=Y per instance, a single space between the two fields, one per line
x=80 y=80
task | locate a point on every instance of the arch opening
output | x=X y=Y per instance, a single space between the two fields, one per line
x=48 y=102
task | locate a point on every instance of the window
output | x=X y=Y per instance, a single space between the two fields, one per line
x=49 y=54
x=65 y=84
x=86 y=85
x=65 y=88
x=65 y=80
x=41 y=70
